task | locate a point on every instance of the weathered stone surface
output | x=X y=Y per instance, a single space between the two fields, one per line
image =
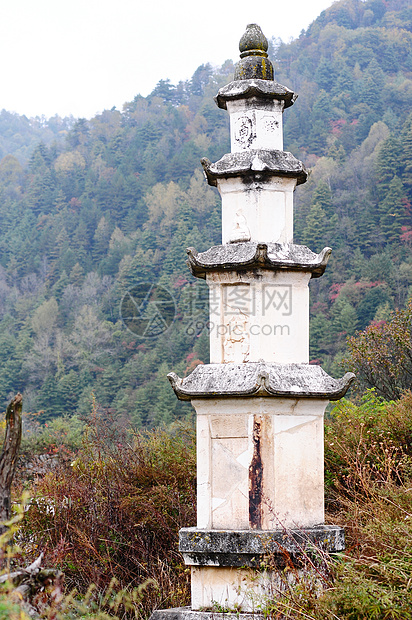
x=259 y=463
x=257 y=88
x=251 y=547
x=253 y=41
x=260 y=379
x=255 y=124
x=252 y=255
x=254 y=61
x=255 y=163
x=257 y=207
x=257 y=314
x=185 y=613
x=254 y=67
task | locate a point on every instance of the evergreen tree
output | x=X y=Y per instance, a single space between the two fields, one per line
x=392 y=211
x=320 y=336
x=69 y=388
x=388 y=164
x=49 y=402
x=101 y=239
x=42 y=189
x=314 y=231
x=406 y=141
x=323 y=197
x=371 y=85
x=345 y=318
x=370 y=303
x=76 y=275
x=325 y=75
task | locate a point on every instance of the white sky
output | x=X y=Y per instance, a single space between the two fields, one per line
x=83 y=56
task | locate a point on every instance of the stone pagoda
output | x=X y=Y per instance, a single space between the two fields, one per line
x=259 y=403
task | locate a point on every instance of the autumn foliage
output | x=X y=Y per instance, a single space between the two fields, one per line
x=381 y=356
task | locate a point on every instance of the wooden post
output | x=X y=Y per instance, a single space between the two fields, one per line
x=8 y=457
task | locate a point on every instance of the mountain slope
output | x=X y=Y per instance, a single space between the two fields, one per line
x=113 y=205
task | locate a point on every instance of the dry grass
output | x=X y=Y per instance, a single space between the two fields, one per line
x=115 y=513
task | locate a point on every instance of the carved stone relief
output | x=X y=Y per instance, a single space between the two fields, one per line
x=270 y=124
x=245 y=131
x=240 y=230
x=236 y=343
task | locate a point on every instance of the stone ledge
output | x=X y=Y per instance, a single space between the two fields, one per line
x=262 y=89
x=253 y=547
x=185 y=613
x=260 y=379
x=255 y=164
x=252 y=255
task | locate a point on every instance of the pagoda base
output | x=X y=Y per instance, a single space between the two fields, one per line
x=185 y=613
x=223 y=592
x=245 y=570
x=239 y=573
x=219 y=592
x=245 y=590
x=256 y=548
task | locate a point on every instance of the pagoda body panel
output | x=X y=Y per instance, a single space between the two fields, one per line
x=255 y=123
x=259 y=465
x=258 y=210
x=260 y=314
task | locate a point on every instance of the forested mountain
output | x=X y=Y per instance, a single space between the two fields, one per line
x=106 y=204
x=19 y=134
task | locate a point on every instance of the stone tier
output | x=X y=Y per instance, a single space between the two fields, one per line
x=186 y=613
x=254 y=548
x=254 y=88
x=250 y=255
x=255 y=163
x=260 y=379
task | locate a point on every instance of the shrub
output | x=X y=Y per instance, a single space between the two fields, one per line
x=116 y=510
x=381 y=356
x=368 y=450
x=367 y=445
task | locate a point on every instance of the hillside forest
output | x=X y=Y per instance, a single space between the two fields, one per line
x=90 y=209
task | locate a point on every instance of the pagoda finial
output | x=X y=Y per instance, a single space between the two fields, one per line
x=253 y=42
x=254 y=63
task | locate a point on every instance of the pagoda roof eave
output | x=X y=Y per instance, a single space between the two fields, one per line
x=257 y=163
x=260 y=379
x=261 y=89
x=242 y=256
